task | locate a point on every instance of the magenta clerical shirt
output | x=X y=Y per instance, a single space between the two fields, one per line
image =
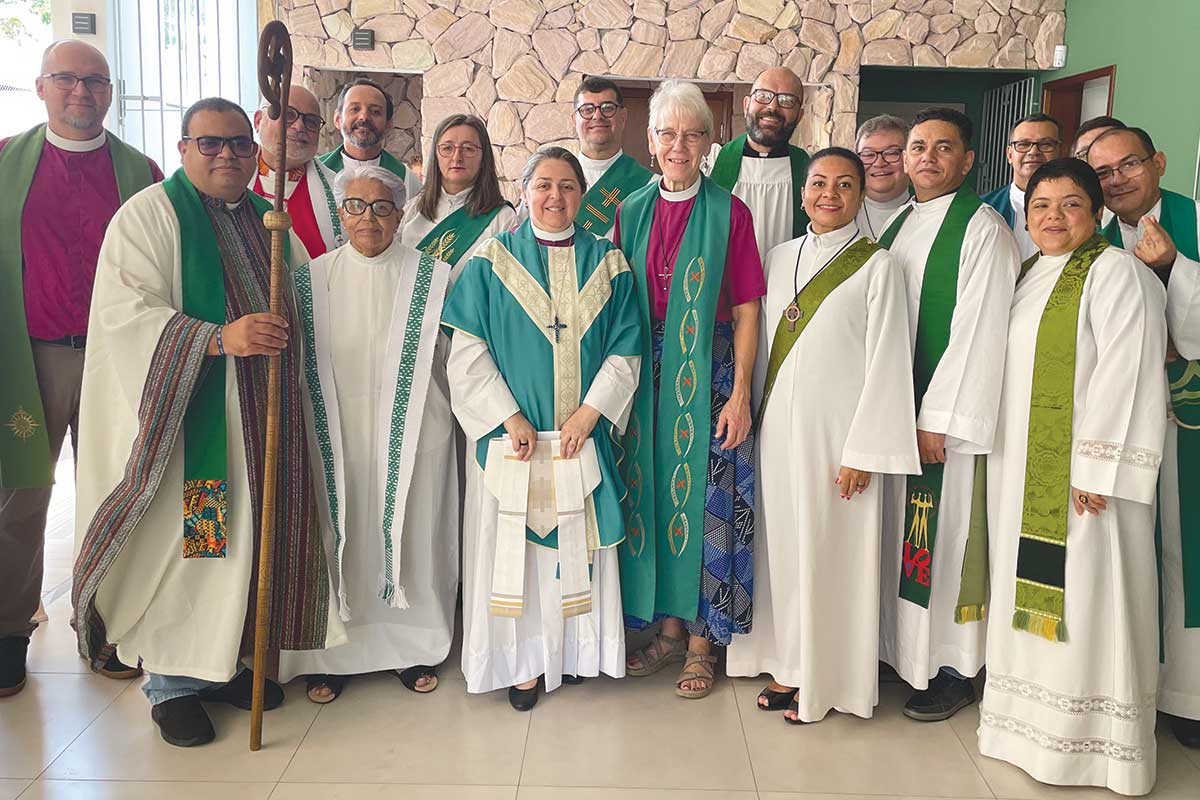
x=743 y=280
x=71 y=200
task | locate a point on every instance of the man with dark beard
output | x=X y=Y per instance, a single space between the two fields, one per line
x=760 y=167
x=364 y=115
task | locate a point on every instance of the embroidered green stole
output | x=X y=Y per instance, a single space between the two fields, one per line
x=670 y=442
x=728 y=166
x=24 y=444
x=1042 y=550
x=450 y=238
x=334 y=159
x=598 y=211
x=202 y=276
x=810 y=298
x=939 y=295
x=1178 y=218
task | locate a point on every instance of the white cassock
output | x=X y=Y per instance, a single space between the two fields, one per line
x=1179 y=690
x=414 y=227
x=500 y=651
x=321 y=209
x=765 y=186
x=360 y=309
x=961 y=403
x=816 y=560
x=1024 y=242
x=1081 y=712
x=149 y=596
x=873 y=217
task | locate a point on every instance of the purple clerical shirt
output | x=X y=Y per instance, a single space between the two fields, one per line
x=71 y=200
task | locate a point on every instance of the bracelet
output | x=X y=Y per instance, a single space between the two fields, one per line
x=220 y=344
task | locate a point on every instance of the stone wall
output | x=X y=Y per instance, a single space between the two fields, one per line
x=405 y=91
x=517 y=63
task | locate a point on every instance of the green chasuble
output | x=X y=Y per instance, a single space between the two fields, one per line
x=24 y=445
x=939 y=295
x=598 y=211
x=550 y=317
x=664 y=453
x=1178 y=218
x=334 y=160
x=459 y=230
x=728 y=166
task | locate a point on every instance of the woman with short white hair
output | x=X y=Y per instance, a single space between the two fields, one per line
x=687 y=454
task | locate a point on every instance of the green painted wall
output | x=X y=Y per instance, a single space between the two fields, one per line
x=1155 y=45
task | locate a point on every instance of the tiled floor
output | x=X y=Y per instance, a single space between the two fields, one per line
x=74 y=735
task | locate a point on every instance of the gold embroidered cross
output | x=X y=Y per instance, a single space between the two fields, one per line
x=610 y=197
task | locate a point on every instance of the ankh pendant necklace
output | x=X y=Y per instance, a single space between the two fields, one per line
x=793 y=313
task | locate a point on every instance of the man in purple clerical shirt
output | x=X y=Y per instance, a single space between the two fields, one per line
x=62 y=182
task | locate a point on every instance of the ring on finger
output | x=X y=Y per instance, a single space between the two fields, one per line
x=1083 y=498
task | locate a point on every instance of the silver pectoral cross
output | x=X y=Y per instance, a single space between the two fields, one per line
x=557 y=327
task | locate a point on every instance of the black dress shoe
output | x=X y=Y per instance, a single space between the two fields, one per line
x=238 y=692
x=573 y=680
x=1187 y=731
x=115 y=669
x=183 y=722
x=12 y=664
x=523 y=699
x=944 y=698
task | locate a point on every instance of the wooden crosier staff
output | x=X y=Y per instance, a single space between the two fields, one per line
x=274 y=81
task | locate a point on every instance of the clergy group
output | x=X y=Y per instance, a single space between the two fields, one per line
x=831 y=414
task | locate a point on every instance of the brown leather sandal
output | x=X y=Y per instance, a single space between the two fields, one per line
x=661 y=651
x=706 y=674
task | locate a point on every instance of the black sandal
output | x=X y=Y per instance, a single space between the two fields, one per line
x=794 y=706
x=410 y=676
x=776 y=701
x=334 y=683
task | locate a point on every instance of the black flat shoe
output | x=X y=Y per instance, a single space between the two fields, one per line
x=573 y=680
x=183 y=722
x=13 y=650
x=794 y=706
x=1187 y=731
x=523 y=699
x=776 y=701
x=945 y=697
x=115 y=669
x=237 y=692
x=336 y=684
x=410 y=676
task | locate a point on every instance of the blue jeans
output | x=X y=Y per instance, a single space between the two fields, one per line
x=161 y=688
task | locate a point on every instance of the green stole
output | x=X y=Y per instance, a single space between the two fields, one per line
x=205 y=470
x=820 y=286
x=24 y=443
x=447 y=240
x=1042 y=550
x=728 y=166
x=939 y=295
x=1178 y=218
x=598 y=210
x=672 y=440
x=334 y=160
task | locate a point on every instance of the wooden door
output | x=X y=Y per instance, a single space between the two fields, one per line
x=637 y=103
x=1063 y=99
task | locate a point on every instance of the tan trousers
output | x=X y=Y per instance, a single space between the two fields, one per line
x=23 y=511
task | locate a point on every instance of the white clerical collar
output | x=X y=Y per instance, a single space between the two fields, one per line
x=457 y=199
x=74 y=145
x=679 y=197
x=888 y=205
x=594 y=164
x=553 y=236
x=835 y=238
x=370 y=162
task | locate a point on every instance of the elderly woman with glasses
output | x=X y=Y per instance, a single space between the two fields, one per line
x=460 y=206
x=382 y=437
x=686 y=455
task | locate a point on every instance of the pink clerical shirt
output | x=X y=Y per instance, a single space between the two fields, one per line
x=72 y=198
x=743 y=280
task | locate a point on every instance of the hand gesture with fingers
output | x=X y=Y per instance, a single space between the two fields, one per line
x=1155 y=249
x=1086 y=501
x=852 y=482
x=253 y=335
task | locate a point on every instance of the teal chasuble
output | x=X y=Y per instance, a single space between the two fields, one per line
x=459 y=230
x=728 y=166
x=550 y=317
x=24 y=444
x=664 y=453
x=598 y=212
x=335 y=161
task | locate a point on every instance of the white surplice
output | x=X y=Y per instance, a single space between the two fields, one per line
x=765 y=186
x=1179 y=688
x=414 y=226
x=961 y=402
x=1081 y=712
x=873 y=217
x=150 y=597
x=360 y=312
x=816 y=561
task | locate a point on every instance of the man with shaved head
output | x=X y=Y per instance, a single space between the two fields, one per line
x=63 y=181
x=308 y=189
x=760 y=166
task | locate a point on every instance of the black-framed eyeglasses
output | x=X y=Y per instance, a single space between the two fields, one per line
x=356 y=206
x=312 y=122
x=891 y=155
x=469 y=149
x=1043 y=145
x=241 y=146
x=764 y=97
x=607 y=109
x=67 y=81
x=1130 y=168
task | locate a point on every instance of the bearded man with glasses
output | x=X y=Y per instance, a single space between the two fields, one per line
x=308 y=188
x=64 y=179
x=1035 y=139
x=880 y=145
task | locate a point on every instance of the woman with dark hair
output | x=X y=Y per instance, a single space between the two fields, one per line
x=543 y=367
x=1072 y=641
x=836 y=317
x=460 y=205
